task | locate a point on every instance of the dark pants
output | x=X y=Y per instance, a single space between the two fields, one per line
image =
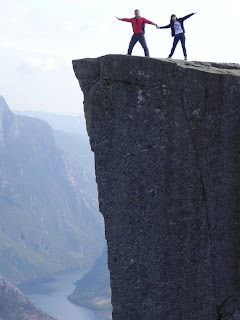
x=141 y=38
x=178 y=37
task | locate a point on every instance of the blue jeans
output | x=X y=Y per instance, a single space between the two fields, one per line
x=178 y=37
x=141 y=38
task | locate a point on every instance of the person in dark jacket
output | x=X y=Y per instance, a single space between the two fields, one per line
x=138 y=24
x=178 y=32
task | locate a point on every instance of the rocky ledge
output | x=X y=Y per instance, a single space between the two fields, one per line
x=165 y=135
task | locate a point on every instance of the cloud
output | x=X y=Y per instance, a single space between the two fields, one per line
x=38 y=40
x=34 y=64
x=42 y=82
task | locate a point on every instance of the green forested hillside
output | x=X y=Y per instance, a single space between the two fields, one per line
x=49 y=217
x=93 y=290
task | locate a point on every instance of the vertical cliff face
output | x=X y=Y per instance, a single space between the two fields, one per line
x=165 y=135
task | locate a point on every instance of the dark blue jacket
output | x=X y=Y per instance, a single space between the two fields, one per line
x=171 y=24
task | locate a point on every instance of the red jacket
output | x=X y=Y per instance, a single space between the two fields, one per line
x=138 y=24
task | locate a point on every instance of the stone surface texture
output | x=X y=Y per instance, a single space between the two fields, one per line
x=166 y=139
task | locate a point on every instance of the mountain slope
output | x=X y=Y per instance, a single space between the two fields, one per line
x=79 y=148
x=49 y=217
x=15 y=306
x=70 y=135
x=93 y=290
x=63 y=122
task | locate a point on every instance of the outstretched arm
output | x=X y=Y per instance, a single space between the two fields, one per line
x=124 y=19
x=156 y=25
x=188 y=16
x=150 y=22
x=165 y=27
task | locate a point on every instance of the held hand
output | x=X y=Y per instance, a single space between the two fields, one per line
x=157 y=26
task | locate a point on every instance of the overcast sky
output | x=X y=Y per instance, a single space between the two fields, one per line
x=40 y=38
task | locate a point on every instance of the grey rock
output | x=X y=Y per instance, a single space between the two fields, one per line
x=165 y=136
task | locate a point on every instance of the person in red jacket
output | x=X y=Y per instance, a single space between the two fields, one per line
x=138 y=24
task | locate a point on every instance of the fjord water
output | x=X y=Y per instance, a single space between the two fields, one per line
x=52 y=297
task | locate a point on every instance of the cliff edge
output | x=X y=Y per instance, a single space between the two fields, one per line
x=165 y=135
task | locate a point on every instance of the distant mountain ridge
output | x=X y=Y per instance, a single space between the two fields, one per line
x=64 y=122
x=70 y=135
x=49 y=218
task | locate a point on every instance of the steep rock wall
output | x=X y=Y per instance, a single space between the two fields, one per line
x=166 y=139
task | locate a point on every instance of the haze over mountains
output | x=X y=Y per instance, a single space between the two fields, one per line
x=49 y=218
x=64 y=122
x=15 y=306
x=93 y=290
x=70 y=135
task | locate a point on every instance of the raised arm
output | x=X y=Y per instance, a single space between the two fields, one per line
x=188 y=16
